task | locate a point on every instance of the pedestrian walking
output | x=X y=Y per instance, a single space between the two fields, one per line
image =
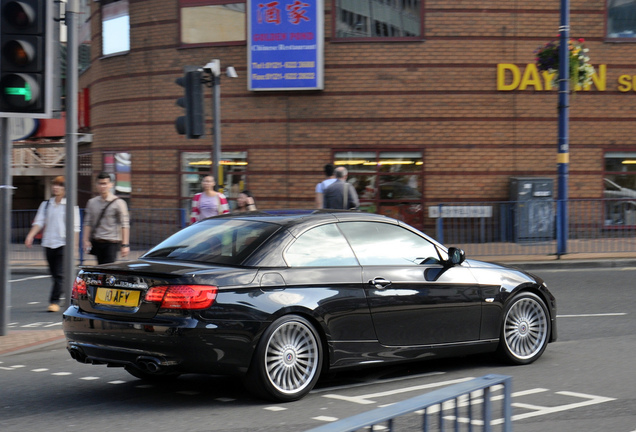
x=209 y=202
x=340 y=194
x=244 y=202
x=320 y=187
x=51 y=220
x=106 y=223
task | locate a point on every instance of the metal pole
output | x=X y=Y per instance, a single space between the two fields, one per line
x=563 y=150
x=71 y=19
x=216 y=112
x=6 y=189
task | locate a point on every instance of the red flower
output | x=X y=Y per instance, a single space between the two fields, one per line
x=581 y=40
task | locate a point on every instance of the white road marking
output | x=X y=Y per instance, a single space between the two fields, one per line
x=591 y=400
x=90 y=378
x=364 y=384
x=39 y=370
x=30 y=278
x=117 y=382
x=62 y=373
x=224 y=399
x=56 y=324
x=275 y=408
x=325 y=418
x=367 y=399
x=592 y=315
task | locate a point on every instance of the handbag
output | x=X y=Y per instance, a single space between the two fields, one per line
x=94 y=227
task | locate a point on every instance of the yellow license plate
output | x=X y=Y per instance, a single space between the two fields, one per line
x=117 y=297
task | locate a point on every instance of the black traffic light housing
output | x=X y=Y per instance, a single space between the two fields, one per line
x=192 y=125
x=30 y=85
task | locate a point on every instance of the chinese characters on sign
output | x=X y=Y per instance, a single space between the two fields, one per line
x=285 y=45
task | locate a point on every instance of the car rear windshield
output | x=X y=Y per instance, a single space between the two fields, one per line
x=214 y=241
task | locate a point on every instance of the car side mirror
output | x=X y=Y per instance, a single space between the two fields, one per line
x=456 y=256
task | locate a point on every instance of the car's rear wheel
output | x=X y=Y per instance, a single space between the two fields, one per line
x=526 y=329
x=287 y=362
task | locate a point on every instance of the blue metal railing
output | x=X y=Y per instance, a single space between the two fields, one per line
x=486 y=230
x=440 y=407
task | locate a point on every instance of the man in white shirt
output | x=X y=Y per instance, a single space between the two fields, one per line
x=51 y=219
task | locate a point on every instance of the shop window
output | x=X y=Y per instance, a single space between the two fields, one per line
x=380 y=19
x=115 y=27
x=213 y=21
x=196 y=165
x=118 y=164
x=620 y=188
x=621 y=19
x=388 y=183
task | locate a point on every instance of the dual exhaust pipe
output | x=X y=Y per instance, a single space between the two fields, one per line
x=149 y=365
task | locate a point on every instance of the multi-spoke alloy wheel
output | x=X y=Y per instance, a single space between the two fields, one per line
x=526 y=329
x=288 y=359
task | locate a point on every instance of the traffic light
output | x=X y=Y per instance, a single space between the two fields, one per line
x=29 y=58
x=192 y=125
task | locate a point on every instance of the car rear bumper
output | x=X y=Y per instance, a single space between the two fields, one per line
x=178 y=344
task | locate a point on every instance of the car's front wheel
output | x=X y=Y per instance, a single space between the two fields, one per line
x=287 y=362
x=526 y=329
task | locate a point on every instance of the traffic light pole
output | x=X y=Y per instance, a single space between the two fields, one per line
x=216 y=112
x=6 y=188
x=72 y=12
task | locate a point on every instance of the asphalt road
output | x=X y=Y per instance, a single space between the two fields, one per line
x=584 y=382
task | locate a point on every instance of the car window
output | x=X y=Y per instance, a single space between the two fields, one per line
x=320 y=246
x=385 y=244
x=214 y=241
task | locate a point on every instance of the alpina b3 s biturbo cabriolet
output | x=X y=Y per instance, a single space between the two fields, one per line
x=279 y=299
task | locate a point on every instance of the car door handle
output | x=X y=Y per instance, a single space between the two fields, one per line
x=379 y=283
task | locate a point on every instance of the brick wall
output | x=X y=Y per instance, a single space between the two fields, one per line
x=437 y=96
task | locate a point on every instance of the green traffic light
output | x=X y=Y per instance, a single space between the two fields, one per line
x=20 y=91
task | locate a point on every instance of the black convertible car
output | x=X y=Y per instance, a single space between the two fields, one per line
x=278 y=299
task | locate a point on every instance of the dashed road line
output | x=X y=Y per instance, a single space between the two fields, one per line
x=593 y=315
x=275 y=408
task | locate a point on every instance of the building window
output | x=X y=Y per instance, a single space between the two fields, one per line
x=620 y=188
x=84 y=47
x=387 y=182
x=118 y=164
x=216 y=22
x=382 y=19
x=115 y=27
x=196 y=165
x=621 y=19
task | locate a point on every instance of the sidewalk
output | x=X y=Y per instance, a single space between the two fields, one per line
x=17 y=341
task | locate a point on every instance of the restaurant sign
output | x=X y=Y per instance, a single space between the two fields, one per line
x=285 y=45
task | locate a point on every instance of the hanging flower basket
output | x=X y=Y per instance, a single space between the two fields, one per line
x=581 y=70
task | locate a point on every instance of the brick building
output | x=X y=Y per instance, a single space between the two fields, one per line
x=445 y=107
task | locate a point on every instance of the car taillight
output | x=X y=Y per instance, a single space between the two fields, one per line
x=182 y=296
x=79 y=288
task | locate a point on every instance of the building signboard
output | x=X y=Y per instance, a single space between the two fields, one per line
x=512 y=77
x=285 y=45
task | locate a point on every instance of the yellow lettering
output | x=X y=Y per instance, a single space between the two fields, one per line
x=547 y=79
x=600 y=77
x=501 y=77
x=624 y=83
x=531 y=78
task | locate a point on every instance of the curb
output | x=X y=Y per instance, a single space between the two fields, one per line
x=21 y=341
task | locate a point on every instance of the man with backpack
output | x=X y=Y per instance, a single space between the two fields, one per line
x=51 y=220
